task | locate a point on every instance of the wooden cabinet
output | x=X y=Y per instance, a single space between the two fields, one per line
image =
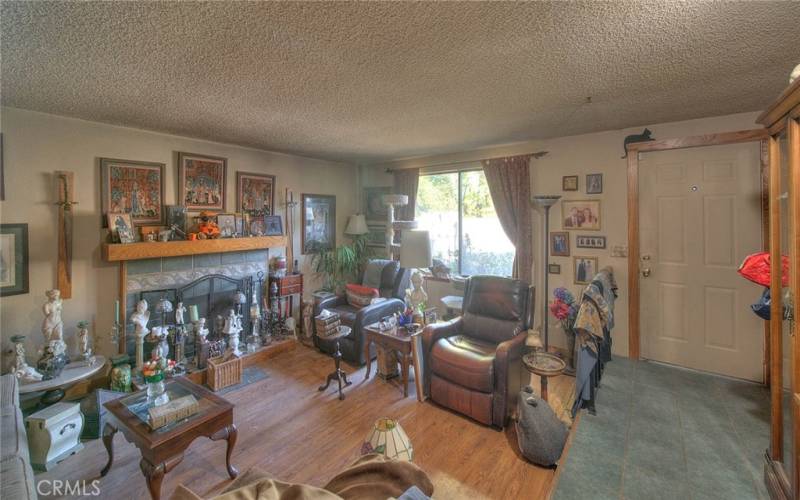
x=782 y=119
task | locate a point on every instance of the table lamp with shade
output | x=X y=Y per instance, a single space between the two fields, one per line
x=415 y=253
x=389 y=439
x=356 y=225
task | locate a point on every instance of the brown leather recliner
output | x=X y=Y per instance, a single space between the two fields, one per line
x=472 y=363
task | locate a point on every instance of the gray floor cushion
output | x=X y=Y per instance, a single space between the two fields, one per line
x=540 y=434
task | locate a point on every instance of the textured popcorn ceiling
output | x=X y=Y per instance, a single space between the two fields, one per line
x=376 y=81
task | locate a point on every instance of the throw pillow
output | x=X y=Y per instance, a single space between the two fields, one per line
x=360 y=296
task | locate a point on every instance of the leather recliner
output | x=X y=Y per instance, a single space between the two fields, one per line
x=472 y=363
x=391 y=281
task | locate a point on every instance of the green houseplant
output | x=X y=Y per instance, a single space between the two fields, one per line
x=341 y=265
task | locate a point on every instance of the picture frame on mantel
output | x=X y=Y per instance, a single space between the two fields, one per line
x=319 y=223
x=132 y=187
x=13 y=259
x=201 y=182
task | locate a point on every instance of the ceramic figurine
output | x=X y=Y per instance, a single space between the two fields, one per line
x=795 y=74
x=139 y=320
x=25 y=373
x=202 y=331
x=179 y=311
x=83 y=340
x=232 y=329
x=53 y=327
x=416 y=295
x=53 y=360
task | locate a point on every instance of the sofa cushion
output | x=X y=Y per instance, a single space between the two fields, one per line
x=17 y=477
x=9 y=391
x=13 y=438
x=466 y=361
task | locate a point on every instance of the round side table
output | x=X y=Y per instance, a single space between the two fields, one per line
x=545 y=365
x=338 y=374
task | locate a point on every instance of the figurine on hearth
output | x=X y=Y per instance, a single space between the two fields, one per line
x=232 y=329
x=179 y=312
x=416 y=296
x=140 y=319
x=24 y=372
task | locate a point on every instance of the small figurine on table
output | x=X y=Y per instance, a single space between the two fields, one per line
x=24 y=372
x=83 y=342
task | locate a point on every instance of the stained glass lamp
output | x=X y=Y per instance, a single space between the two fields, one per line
x=388 y=439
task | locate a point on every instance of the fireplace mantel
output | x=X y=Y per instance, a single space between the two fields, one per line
x=119 y=252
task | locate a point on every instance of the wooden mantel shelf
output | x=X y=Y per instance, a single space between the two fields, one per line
x=116 y=252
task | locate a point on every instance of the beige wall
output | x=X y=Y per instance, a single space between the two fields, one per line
x=36 y=144
x=580 y=155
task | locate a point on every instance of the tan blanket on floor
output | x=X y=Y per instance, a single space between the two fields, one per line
x=371 y=477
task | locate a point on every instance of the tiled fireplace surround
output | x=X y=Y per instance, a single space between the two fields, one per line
x=173 y=272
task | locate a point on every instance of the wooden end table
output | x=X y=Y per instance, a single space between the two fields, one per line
x=338 y=374
x=397 y=339
x=545 y=365
x=162 y=449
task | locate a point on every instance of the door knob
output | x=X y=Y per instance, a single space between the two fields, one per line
x=646 y=272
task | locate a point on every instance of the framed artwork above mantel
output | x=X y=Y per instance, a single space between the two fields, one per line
x=201 y=182
x=132 y=187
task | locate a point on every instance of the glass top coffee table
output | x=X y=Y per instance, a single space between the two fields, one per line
x=162 y=449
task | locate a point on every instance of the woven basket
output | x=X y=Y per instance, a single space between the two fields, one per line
x=222 y=374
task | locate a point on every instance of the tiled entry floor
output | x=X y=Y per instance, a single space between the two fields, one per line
x=664 y=432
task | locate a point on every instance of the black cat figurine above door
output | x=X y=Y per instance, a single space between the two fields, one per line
x=643 y=137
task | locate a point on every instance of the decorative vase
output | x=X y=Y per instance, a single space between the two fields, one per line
x=53 y=360
x=121 y=378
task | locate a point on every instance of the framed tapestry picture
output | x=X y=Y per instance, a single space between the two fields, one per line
x=559 y=244
x=201 y=182
x=13 y=259
x=319 y=222
x=374 y=209
x=585 y=269
x=255 y=192
x=580 y=214
x=132 y=187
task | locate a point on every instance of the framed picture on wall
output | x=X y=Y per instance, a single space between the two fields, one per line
x=319 y=223
x=594 y=183
x=559 y=244
x=588 y=241
x=132 y=187
x=201 y=182
x=569 y=183
x=13 y=259
x=374 y=209
x=255 y=192
x=376 y=235
x=554 y=268
x=580 y=215
x=585 y=268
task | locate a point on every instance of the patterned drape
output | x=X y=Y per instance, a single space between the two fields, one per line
x=510 y=187
x=406 y=181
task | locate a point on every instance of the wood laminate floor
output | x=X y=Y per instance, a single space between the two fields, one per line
x=299 y=434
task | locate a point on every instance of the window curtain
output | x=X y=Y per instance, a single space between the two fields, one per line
x=510 y=187
x=406 y=181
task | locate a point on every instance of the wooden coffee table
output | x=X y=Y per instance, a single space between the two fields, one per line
x=399 y=340
x=162 y=449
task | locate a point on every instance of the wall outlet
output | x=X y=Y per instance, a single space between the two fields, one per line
x=619 y=251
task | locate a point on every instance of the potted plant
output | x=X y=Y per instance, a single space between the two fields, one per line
x=342 y=264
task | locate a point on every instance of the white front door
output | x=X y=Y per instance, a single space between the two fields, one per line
x=700 y=215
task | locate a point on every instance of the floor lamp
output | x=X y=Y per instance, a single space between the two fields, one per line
x=545 y=364
x=545 y=202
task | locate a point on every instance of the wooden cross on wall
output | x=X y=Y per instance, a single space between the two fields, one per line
x=64 y=195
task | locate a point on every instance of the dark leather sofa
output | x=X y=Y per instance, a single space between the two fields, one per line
x=472 y=364
x=391 y=281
